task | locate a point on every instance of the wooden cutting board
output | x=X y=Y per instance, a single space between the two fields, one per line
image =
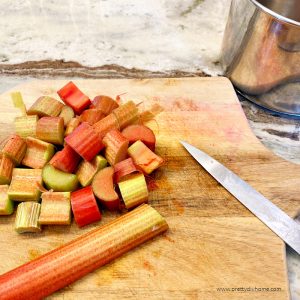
x=213 y=242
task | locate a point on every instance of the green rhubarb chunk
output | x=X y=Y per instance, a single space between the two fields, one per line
x=59 y=181
x=88 y=169
x=6 y=205
x=27 y=217
x=24 y=185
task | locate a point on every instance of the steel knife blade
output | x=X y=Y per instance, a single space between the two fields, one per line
x=271 y=215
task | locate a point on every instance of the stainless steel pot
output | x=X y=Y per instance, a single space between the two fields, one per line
x=261 y=52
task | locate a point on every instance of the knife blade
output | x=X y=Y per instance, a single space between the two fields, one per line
x=271 y=215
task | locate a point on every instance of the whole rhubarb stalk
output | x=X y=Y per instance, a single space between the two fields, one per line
x=62 y=266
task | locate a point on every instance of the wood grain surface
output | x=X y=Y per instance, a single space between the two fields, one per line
x=213 y=242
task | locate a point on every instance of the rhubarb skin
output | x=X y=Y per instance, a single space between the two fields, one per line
x=15 y=148
x=51 y=130
x=103 y=188
x=6 y=169
x=66 y=160
x=55 y=208
x=105 y=125
x=27 y=217
x=84 y=206
x=59 y=181
x=105 y=104
x=88 y=169
x=134 y=190
x=73 y=97
x=91 y=116
x=6 y=205
x=62 y=266
x=126 y=114
x=45 y=106
x=142 y=133
x=124 y=168
x=143 y=157
x=85 y=141
x=38 y=153
x=24 y=184
x=116 y=147
x=67 y=113
x=73 y=124
x=26 y=126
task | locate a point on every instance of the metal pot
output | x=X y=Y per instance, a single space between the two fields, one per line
x=261 y=52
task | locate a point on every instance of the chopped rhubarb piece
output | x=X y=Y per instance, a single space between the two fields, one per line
x=73 y=124
x=24 y=184
x=67 y=113
x=103 y=188
x=143 y=157
x=124 y=168
x=116 y=146
x=91 y=116
x=84 y=206
x=126 y=114
x=38 y=153
x=6 y=205
x=51 y=129
x=27 y=217
x=18 y=102
x=26 y=126
x=88 y=169
x=74 y=97
x=85 y=141
x=59 y=181
x=134 y=190
x=105 y=104
x=6 y=169
x=64 y=265
x=142 y=133
x=15 y=148
x=105 y=125
x=55 y=208
x=66 y=160
x=45 y=106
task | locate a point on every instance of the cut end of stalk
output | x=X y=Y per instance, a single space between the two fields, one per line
x=46 y=106
x=144 y=158
x=67 y=113
x=38 y=153
x=59 y=181
x=134 y=190
x=6 y=169
x=87 y=169
x=6 y=205
x=103 y=188
x=51 y=130
x=91 y=116
x=24 y=184
x=116 y=146
x=15 y=148
x=55 y=208
x=26 y=126
x=27 y=217
x=105 y=104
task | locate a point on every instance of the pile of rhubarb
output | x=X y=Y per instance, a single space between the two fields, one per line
x=78 y=156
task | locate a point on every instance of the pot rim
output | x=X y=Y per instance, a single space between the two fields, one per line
x=275 y=14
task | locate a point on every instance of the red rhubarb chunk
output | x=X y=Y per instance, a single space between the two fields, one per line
x=66 y=160
x=84 y=206
x=103 y=187
x=124 y=168
x=74 y=97
x=85 y=141
x=140 y=132
x=105 y=104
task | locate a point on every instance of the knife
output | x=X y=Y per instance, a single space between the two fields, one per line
x=276 y=219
